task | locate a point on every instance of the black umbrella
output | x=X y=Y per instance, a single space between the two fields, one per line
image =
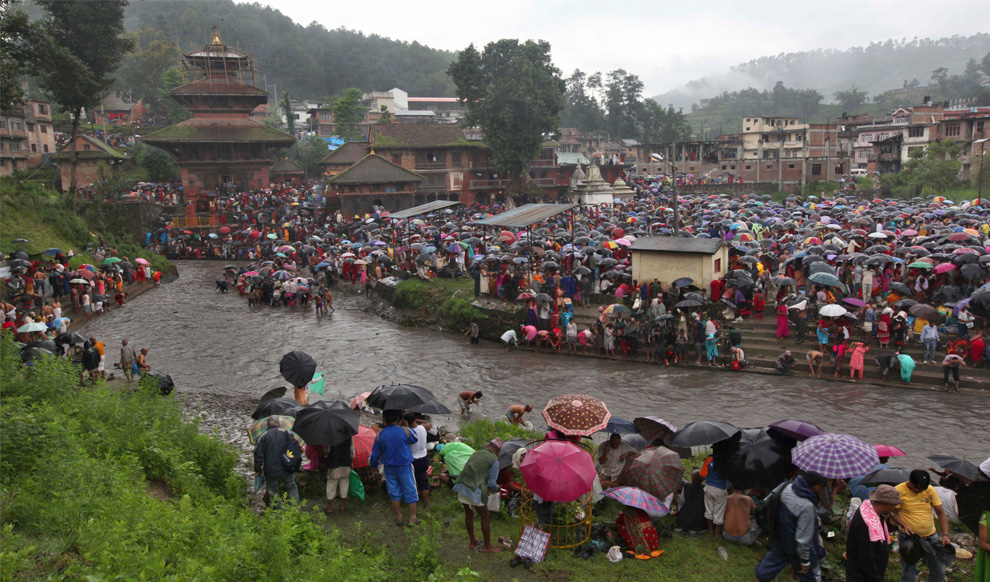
x=957 y=466
x=886 y=476
x=947 y=293
x=326 y=424
x=971 y=272
x=282 y=406
x=430 y=407
x=754 y=458
x=297 y=368
x=683 y=282
x=273 y=394
x=70 y=339
x=704 y=432
x=30 y=354
x=618 y=425
x=635 y=441
x=399 y=397
x=972 y=501
x=163 y=381
x=687 y=303
x=901 y=289
x=508 y=449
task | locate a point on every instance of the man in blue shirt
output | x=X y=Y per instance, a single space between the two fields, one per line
x=715 y=496
x=391 y=448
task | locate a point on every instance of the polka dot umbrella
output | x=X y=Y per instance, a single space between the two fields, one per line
x=576 y=414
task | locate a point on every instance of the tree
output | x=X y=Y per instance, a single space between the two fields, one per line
x=933 y=170
x=290 y=118
x=515 y=95
x=86 y=46
x=386 y=116
x=143 y=72
x=348 y=112
x=20 y=41
x=156 y=162
x=310 y=153
x=851 y=99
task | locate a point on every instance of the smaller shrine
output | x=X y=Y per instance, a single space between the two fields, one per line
x=590 y=189
x=621 y=191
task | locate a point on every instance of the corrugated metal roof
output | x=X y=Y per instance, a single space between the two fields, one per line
x=526 y=215
x=424 y=208
x=677 y=244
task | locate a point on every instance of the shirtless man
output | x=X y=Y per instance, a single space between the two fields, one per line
x=739 y=527
x=467 y=398
x=514 y=414
x=814 y=358
x=142 y=361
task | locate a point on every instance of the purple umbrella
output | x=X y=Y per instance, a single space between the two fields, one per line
x=637 y=498
x=835 y=456
x=854 y=302
x=796 y=429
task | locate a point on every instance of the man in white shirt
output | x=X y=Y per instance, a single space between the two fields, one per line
x=421 y=462
x=510 y=338
x=612 y=459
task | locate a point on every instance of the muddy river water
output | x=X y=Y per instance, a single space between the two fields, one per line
x=216 y=348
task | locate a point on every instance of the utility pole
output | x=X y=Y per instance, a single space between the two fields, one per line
x=673 y=190
x=979 y=191
x=780 y=157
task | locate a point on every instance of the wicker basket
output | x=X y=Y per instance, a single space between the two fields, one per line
x=569 y=525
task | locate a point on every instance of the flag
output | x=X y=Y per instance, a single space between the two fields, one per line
x=317 y=384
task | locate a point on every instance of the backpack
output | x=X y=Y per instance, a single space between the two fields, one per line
x=291 y=455
x=767 y=512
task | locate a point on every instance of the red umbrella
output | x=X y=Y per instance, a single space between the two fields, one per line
x=657 y=470
x=256 y=234
x=889 y=451
x=363 y=441
x=558 y=471
x=224 y=230
x=576 y=414
x=358 y=400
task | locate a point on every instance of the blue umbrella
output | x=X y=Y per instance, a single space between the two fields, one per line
x=618 y=425
x=53 y=252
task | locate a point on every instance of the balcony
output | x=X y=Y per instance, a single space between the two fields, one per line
x=13 y=133
x=504 y=183
x=480 y=165
x=431 y=165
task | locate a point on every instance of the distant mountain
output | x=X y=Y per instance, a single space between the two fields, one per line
x=874 y=68
x=309 y=61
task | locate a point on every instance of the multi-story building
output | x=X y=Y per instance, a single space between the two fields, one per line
x=26 y=135
x=968 y=126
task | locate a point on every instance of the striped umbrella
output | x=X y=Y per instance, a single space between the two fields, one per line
x=576 y=414
x=835 y=456
x=636 y=497
x=363 y=441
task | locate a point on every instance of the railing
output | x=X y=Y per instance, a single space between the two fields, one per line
x=431 y=165
x=197 y=221
x=482 y=165
x=487 y=184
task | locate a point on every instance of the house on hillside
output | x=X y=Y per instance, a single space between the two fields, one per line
x=119 y=109
x=670 y=258
x=91 y=154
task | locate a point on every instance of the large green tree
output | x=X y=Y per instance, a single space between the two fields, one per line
x=851 y=99
x=310 y=153
x=87 y=45
x=20 y=43
x=149 y=71
x=348 y=113
x=930 y=171
x=515 y=95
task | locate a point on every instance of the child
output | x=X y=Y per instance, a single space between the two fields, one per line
x=572 y=336
x=609 y=341
x=681 y=345
x=759 y=304
x=838 y=351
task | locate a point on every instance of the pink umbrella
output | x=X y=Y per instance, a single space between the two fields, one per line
x=140 y=261
x=558 y=471
x=889 y=451
x=359 y=399
x=623 y=241
x=944 y=268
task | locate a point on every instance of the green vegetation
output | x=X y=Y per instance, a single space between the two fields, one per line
x=348 y=112
x=446 y=302
x=47 y=219
x=480 y=432
x=932 y=170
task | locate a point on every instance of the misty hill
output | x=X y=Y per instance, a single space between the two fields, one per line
x=309 y=61
x=875 y=68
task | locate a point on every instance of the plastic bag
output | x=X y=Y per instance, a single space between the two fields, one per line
x=355 y=486
x=614 y=554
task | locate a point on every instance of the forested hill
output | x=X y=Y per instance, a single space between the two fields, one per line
x=875 y=68
x=309 y=61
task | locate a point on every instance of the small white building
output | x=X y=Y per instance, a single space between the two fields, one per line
x=668 y=258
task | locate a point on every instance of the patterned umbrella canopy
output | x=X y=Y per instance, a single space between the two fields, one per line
x=835 y=456
x=636 y=497
x=558 y=471
x=798 y=430
x=259 y=427
x=654 y=427
x=363 y=441
x=657 y=470
x=576 y=414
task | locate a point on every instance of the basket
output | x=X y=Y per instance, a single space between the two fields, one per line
x=569 y=525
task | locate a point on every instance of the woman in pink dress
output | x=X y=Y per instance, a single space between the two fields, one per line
x=856 y=360
x=782 y=324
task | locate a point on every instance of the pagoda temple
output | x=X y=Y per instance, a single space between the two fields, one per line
x=220 y=145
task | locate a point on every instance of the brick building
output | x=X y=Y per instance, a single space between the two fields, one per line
x=26 y=135
x=344 y=157
x=118 y=109
x=373 y=181
x=92 y=154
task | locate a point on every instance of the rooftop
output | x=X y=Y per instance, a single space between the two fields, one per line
x=286 y=166
x=423 y=135
x=667 y=244
x=433 y=99
x=218 y=86
x=424 y=208
x=374 y=169
x=98 y=149
x=348 y=154
x=526 y=215
x=207 y=130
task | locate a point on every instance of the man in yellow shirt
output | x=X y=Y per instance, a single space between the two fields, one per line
x=914 y=516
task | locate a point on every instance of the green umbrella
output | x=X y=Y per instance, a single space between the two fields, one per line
x=920 y=265
x=111 y=260
x=273 y=236
x=456 y=456
x=826 y=279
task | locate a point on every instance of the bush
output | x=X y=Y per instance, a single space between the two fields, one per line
x=410 y=294
x=478 y=433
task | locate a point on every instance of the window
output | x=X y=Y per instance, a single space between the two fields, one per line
x=950 y=130
x=44 y=128
x=455 y=159
x=3 y=123
x=790 y=166
x=916 y=132
x=732 y=167
x=816 y=169
x=747 y=129
x=397 y=159
x=46 y=148
x=718 y=266
x=749 y=167
x=15 y=147
x=724 y=167
x=979 y=127
x=769 y=166
x=30 y=127
x=86 y=147
x=18 y=125
x=839 y=170
x=390 y=189
x=34 y=147
x=42 y=109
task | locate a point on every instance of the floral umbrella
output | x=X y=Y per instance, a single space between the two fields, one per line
x=576 y=414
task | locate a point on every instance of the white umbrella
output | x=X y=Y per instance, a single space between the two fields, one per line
x=877 y=235
x=799 y=305
x=832 y=311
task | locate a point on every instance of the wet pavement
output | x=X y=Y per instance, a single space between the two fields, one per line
x=218 y=349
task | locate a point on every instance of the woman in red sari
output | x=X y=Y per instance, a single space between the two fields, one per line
x=782 y=324
x=637 y=530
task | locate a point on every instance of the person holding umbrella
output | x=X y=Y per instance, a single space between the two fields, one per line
x=392 y=449
x=868 y=541
x=475 y=483
x=338 y=460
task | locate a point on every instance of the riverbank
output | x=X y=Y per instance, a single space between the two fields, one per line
x=450 y=305
x=132 y=291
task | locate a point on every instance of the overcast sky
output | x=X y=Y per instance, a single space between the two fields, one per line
x=665 y=43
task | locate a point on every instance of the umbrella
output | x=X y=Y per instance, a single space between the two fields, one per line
x=259 y=426
x=957 y=466
x=886 y=476
x=283 y=406
x=70 y=339
x=576 y=414
x=854 y=302
x=558 y=471
x=326 y=424
x=798 y=430
x=687 y=303
x=888 y=451
x=652 y=428
x=399 y=397
x=972 y=501
x=683 y=282
x=656 y=470
x=832 y=311
x=358 y=400
x=780 y=281
x=835 y=456
x=507 y=451
x=704 y=432
x=617 y=425
x=297 y=368
x=826 y=279
x=273 y=394
x=430 y=407
x=30 y=327
x=363 y=442
x=617 y=308
x=923 y=311
x=637 y=498
x=754 y=458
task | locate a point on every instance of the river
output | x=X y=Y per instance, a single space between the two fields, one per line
x=215 y=347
